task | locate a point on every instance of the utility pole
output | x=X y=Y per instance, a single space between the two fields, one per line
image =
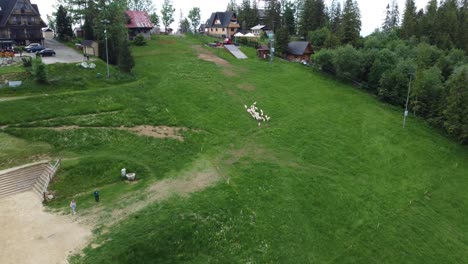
x=105 y=22
x=407 y=100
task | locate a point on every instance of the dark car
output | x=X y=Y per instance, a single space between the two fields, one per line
x=34 y=48
x=46 y=52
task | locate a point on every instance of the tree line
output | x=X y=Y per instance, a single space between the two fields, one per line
x=422 y=52
x=424 y=48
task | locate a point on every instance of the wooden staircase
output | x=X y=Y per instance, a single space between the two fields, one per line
x=34 y=177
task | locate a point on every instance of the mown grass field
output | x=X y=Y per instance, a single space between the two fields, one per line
x=332 y=178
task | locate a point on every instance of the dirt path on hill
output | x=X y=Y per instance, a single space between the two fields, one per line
x=31 y=235
x=206 y=55
x=144 y=130
x=35 y=236
x=197 y=179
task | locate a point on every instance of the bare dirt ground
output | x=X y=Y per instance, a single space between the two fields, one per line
x=149 y=131
x=32 y=235
x=209 y=56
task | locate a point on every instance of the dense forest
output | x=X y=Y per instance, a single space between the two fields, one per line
x=423 y=49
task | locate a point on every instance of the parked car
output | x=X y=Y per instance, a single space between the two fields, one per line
x=34 y=48
x=46 y=52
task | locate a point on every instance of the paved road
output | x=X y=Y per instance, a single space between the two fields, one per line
x=64 y=54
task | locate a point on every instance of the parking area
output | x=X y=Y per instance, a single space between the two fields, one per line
x=64 y=54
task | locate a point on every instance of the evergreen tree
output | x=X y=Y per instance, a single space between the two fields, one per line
x=313 y=16
x=429 y=21
x=63 y=23
x=184 y=25
x=288 y=17
x=273 y=15
x=39 y=70
x=244 y=15
x=395 y=18
x=335 y=16
x=446 y=29
x=351 y=23
x=232 y=6
x=254 y=14
x=392 y=17
x=386 y=26
x=90 y=14
x=125 y=59
x=462 y=35
x=117 y=33
x=409 y=23
x=281 y=40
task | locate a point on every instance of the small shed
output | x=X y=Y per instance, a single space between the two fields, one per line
x=48 y=33
x=263 y=52
x=138 y=22
x=79 y=33
x=90 y=47
x=299 y=51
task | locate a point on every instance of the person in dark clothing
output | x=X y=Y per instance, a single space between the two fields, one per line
x=96 y=196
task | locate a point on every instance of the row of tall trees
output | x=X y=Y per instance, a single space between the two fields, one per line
x=444 y=24
x=99 y=19
x=301 y=17
x=426 y=47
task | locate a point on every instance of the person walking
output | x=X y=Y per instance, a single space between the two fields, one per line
x=73 y=206
x=96 y=196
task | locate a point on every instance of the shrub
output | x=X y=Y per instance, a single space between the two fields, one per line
x=27 y=62
x=19 y=49
x=347 y=62
x=39 y=71
x=139 y=40
x=324 y=60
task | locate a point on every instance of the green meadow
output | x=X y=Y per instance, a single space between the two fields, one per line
x=331 y=178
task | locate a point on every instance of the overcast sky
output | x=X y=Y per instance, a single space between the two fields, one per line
x=372 y=11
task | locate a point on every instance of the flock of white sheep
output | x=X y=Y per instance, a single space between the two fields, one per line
x=257 y=114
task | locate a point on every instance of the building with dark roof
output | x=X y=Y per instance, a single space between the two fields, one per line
x=299 y=51
x=222 y=24
x=20 y=23
x=138 y=22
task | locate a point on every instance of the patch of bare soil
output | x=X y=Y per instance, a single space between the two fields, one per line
x=213 y=58
x=246 y=87
x=157 y=131
x=31 y=235
x=209 y=56
x=183 y=186
x=148 y=131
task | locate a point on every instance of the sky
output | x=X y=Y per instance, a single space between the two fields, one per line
x=372 y=11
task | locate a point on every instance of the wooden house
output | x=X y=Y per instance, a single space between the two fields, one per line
x=20 y=23
x=138 y=22
x=222 y=24
x=299 y=51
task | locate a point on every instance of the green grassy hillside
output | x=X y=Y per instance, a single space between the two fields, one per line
x=332 y=178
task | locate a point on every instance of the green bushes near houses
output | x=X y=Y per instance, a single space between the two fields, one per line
x=139 y=40
x=39 y=71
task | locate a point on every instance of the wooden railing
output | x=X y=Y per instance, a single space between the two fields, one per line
x=49 y=174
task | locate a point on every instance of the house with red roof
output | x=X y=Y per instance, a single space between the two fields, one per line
x=138 y=22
